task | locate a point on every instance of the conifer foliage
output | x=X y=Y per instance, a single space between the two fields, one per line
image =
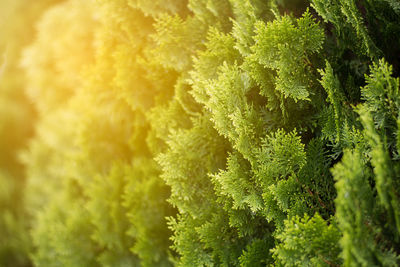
x=202 y=133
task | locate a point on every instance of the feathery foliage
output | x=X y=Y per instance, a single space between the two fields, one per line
x=202 y=133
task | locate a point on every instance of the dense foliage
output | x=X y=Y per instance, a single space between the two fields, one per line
x=200 y=133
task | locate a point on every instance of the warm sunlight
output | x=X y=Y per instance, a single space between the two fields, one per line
x=199 y=133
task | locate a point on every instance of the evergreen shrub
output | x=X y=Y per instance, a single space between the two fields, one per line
x=207 y=133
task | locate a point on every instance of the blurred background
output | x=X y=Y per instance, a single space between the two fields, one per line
x=17 y=117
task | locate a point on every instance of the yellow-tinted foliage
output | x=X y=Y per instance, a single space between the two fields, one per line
x=63 y=49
